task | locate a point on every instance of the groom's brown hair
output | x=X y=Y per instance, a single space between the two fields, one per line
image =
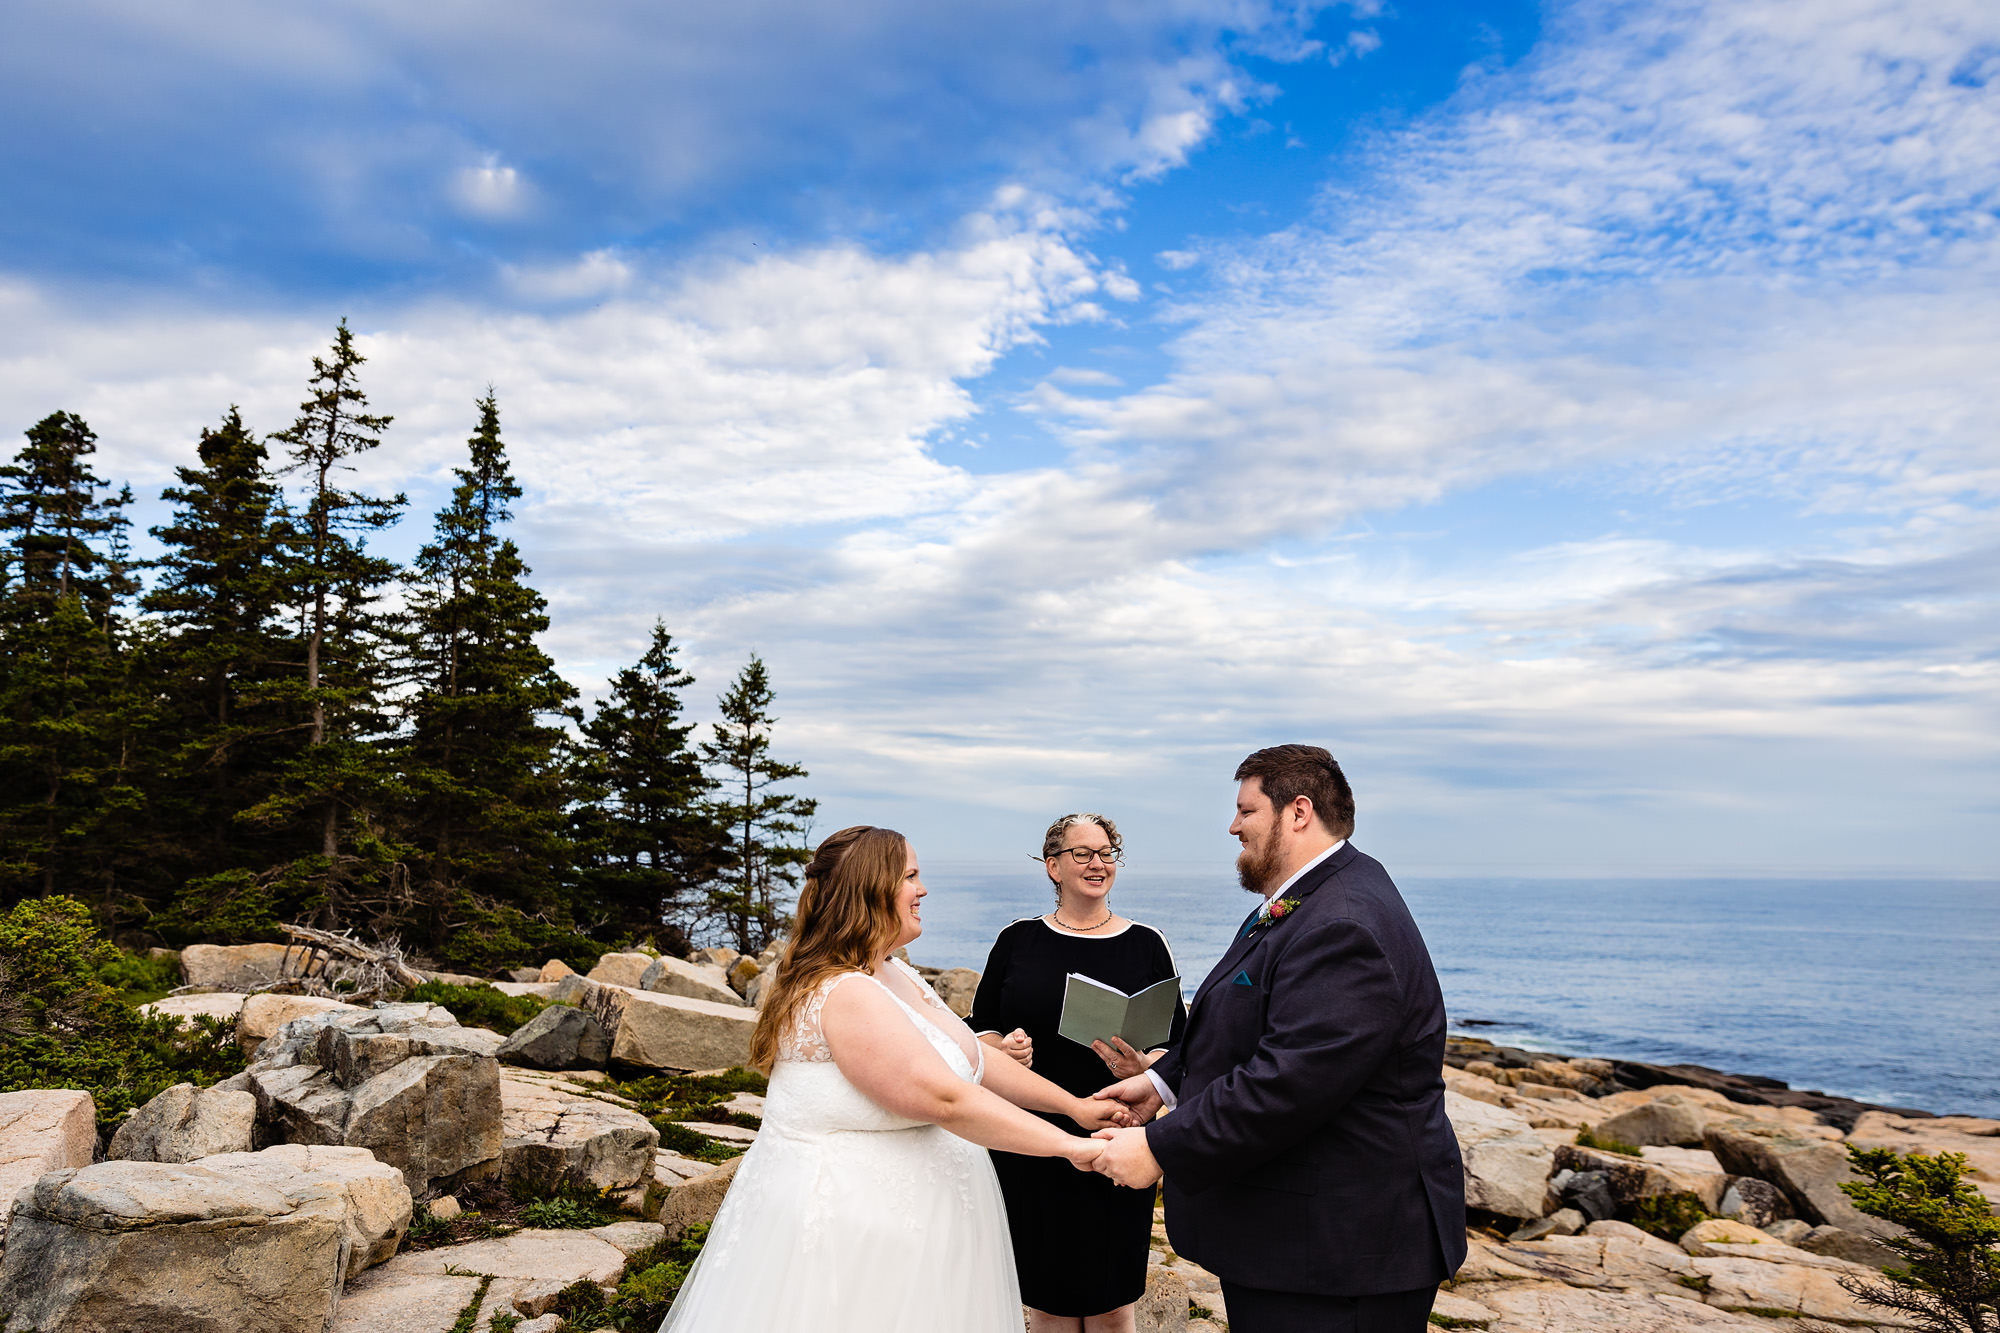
x=1288 y=772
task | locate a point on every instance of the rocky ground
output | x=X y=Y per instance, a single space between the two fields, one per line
x=389 y=1170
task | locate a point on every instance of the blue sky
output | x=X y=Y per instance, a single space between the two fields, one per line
x=1578 y=416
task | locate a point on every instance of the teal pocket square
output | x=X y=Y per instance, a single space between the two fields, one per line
x=1243 y=979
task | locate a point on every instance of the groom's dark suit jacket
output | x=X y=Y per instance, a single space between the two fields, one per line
x=1309 y=1151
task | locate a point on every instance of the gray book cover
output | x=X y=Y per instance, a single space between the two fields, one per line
x=1093 y=1011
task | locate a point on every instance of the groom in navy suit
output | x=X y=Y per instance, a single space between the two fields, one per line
x=1308 y=1161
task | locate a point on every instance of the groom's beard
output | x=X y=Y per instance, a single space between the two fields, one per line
x=1257 y=867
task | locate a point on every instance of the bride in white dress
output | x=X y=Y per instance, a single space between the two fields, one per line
x=868 y=1203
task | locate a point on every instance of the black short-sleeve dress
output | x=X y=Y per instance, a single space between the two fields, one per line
x=1080 y=1241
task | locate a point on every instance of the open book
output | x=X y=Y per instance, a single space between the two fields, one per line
x=1093 y=1011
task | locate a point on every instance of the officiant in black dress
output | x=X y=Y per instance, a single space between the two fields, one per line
x=1080 y=1242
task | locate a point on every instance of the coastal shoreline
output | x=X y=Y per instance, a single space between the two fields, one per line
x=1748 y=1089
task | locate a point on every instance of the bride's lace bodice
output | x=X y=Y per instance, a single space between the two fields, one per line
x=809 y=1094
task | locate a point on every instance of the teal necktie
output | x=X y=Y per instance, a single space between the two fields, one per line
x=1249 y=922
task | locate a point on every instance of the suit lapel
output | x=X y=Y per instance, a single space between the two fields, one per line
x=1233 y=956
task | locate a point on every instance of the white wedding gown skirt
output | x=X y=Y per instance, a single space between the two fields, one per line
x=844 y=1218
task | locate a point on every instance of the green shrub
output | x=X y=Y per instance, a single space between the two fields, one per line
x=487 y=937
x=1586 y=1139
x=690 y=1143
x=1950 y=1240
x=480 y=1006
x=1668 y=1216
x=563 y=1214
x=67 y=1028
x=139 y=979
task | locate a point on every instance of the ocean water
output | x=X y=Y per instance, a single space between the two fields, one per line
x=1886 y=991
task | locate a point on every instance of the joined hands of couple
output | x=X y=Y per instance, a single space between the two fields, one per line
x=1118 y=1113
x=1122 y=1152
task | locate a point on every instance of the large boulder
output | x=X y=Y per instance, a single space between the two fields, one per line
x=151 y=1245
x=696 y=981
x=741 y=973
x=697 y=1201
x=956 y=986
x=552 y=1138
x=1666 y=1123
x=554 y=970
x=186 y=1124
x=263 y=1015
x=560 y=1037
x=42 y=1130
x=1808 y=1169
x=1754 y=1203
x=244 y=967
x=1506 y=1165
x=667 y=1032
x=621 y=969
x=404 y=1081
x=1657 y=1171
x=1855 y=1248
x=378 y=1204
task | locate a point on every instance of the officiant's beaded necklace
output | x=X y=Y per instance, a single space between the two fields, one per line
x=1056 y=917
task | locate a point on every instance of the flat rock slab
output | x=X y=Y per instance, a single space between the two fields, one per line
x=671 y=1170
x=42 y=1130
x=388 y=1300
x=413 y=1293
x=722 y=1133
x=1550 y=1307
x=551 y=1138
x=223 y=1005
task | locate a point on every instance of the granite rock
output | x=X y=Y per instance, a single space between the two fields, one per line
x=185 y=1124
x=560 y=1037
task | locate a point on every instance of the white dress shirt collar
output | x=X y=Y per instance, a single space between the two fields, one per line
x=1298 y=874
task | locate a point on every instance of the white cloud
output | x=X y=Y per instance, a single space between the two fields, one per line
x=599 y=273
x=1682 y=259
x=490 y=190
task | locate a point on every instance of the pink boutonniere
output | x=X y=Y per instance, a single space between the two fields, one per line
x=1275 y=911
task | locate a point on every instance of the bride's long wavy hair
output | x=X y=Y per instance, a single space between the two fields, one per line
x=846 y=920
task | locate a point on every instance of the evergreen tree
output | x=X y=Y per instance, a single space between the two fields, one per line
x=334 y=585
x=765 y=825
x=220 y=666
x=71 y=717
x=487 y=776
x=653 y=841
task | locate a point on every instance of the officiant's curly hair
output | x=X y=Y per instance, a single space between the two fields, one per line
x=846 y=920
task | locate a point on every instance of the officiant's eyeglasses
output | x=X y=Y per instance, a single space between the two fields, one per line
x=1082 y=855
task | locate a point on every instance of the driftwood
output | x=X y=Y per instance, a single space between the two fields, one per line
x=338 y=966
